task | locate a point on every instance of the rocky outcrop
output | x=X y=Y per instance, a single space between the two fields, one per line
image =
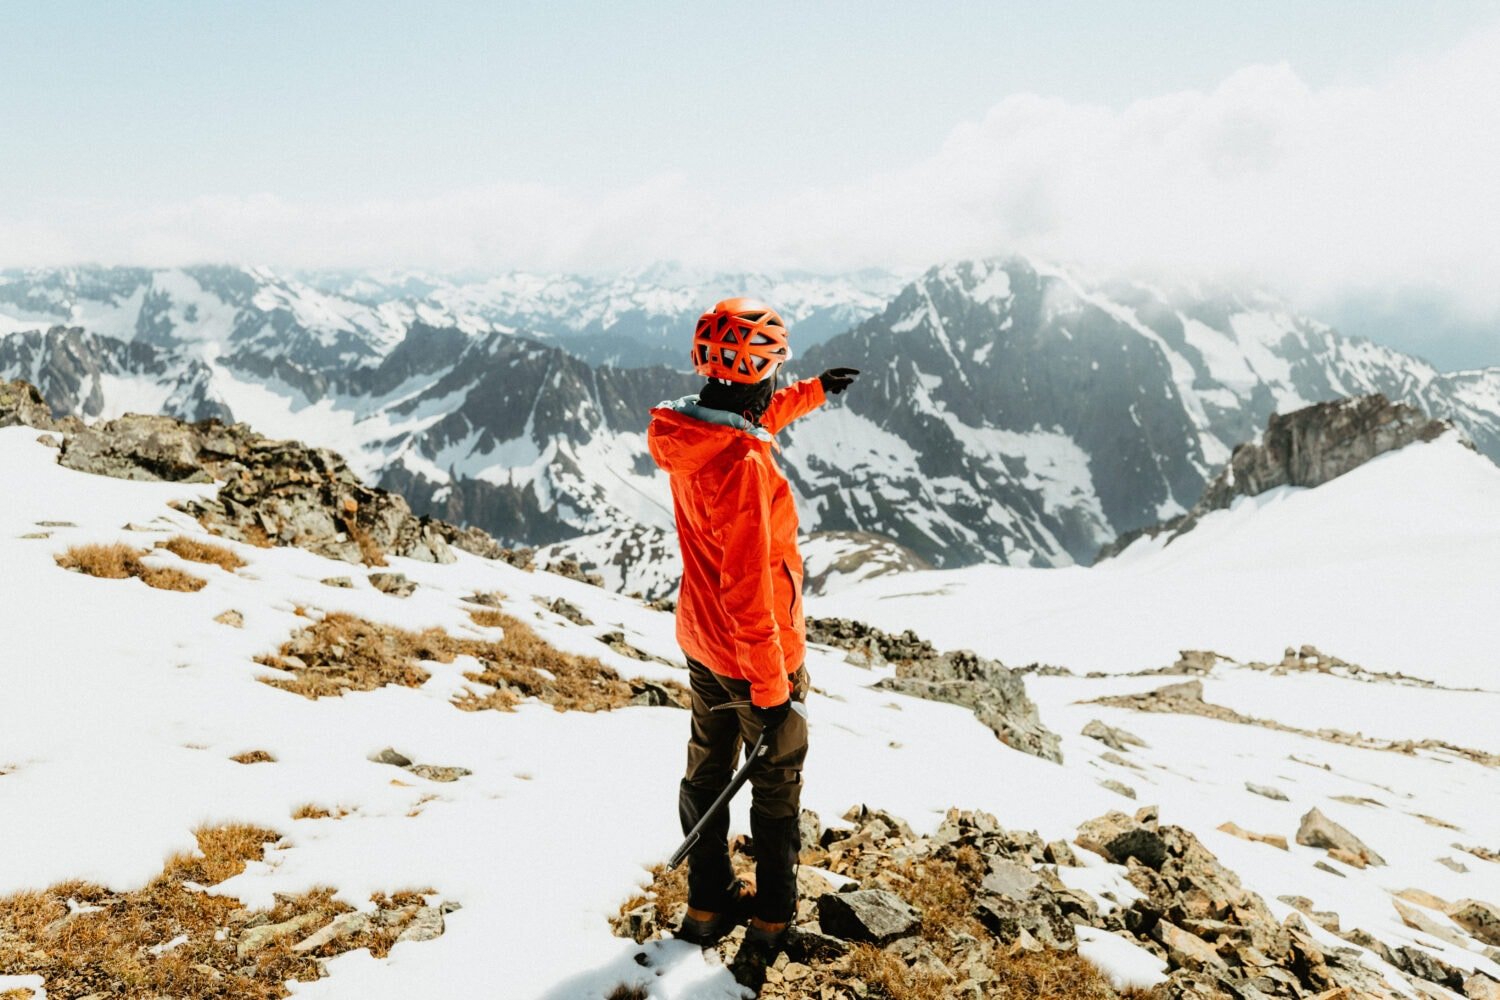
x=272 y=493
x=21 y=404
x=1307 y=447
x=995 y=693
x=962 y=912
x=866 y=645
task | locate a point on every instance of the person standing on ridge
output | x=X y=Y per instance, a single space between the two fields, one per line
x=739 y=611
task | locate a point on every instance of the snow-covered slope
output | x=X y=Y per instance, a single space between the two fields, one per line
x=1395 y=566
x=126 y=702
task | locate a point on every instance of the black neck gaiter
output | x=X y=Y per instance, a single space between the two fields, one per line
x=749 y=400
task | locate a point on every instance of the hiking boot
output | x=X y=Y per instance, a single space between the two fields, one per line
x=762 y=945
x=704 y=927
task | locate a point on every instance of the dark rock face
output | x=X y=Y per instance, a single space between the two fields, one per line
x=995 y=693
x=1308 y=447
x=70 y=367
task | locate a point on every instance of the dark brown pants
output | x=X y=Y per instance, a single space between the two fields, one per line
x=714 y=749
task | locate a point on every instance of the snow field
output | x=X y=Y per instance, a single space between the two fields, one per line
x=123 y=704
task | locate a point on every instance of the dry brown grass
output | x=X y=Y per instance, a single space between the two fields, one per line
x=311 y=810
x=254 y=757
x=255 y=535
x=113 y=950
x=887 y=977
x=199 y=551
x=1047 y=974
x=344 y=653
x=19 y=993
x=119 y=562
x=944 y=897
x=488 y=617
x=370 y=553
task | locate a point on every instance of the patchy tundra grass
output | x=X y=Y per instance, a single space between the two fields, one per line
x=199 y=551
x=120 y=562
x=342 y=652
x=171 y=938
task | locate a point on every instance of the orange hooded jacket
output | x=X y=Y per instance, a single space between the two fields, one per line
x=740 y=608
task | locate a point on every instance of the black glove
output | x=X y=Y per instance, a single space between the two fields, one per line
x=772 y=718
x=836 y=380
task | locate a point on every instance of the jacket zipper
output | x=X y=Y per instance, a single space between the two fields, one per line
x=793 y=581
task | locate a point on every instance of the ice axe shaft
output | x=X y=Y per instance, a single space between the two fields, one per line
x=722 y=802
x=759 y=750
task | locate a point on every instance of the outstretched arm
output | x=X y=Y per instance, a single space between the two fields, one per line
x=795 y=400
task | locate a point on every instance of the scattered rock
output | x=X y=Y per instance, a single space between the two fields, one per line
x=342 y=926
x=342 y=582
x=1119 y=838
x=435 y=772
x=1413 y=917
x=232 y=618
x=1115 y=739
x=1453 y=865
x=395 y=584
x=1326 y=919
x=657 y=695
x=1481 y=987
x=872 y=915
x=1425 y=965
x=1118 y=788
x=1317 y=830
x=1187 y=950
x=1274 y=839
x=432 y=772
x=425 y=925
x=573 y=570
x=1479 y=918
x=390 y=756
x=567 y=609
x=1267 y=791
x=1424 y=898
x=868 y=646
x=1324 y=866
x=256 y=938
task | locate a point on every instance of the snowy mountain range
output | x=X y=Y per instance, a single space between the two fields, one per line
x=1009 y=411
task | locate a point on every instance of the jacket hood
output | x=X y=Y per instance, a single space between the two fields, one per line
x=685 y=435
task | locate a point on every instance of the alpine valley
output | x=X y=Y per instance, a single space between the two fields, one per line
x=1009 y=411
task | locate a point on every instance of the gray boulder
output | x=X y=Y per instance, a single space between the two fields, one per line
x=872 y=915
x=1317 y=830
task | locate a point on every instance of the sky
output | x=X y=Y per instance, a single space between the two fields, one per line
x=1341 y=153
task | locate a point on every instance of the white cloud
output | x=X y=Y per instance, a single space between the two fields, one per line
x=1314 y=190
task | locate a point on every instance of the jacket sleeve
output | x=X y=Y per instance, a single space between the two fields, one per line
x=796 y=400
x=747 y=580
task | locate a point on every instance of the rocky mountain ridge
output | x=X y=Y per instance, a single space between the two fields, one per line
x=1304 y=448
x=1009 y=412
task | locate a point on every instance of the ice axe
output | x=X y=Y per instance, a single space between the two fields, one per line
x=759 y=750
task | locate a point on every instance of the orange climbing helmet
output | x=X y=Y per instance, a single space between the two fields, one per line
x=740 y=340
